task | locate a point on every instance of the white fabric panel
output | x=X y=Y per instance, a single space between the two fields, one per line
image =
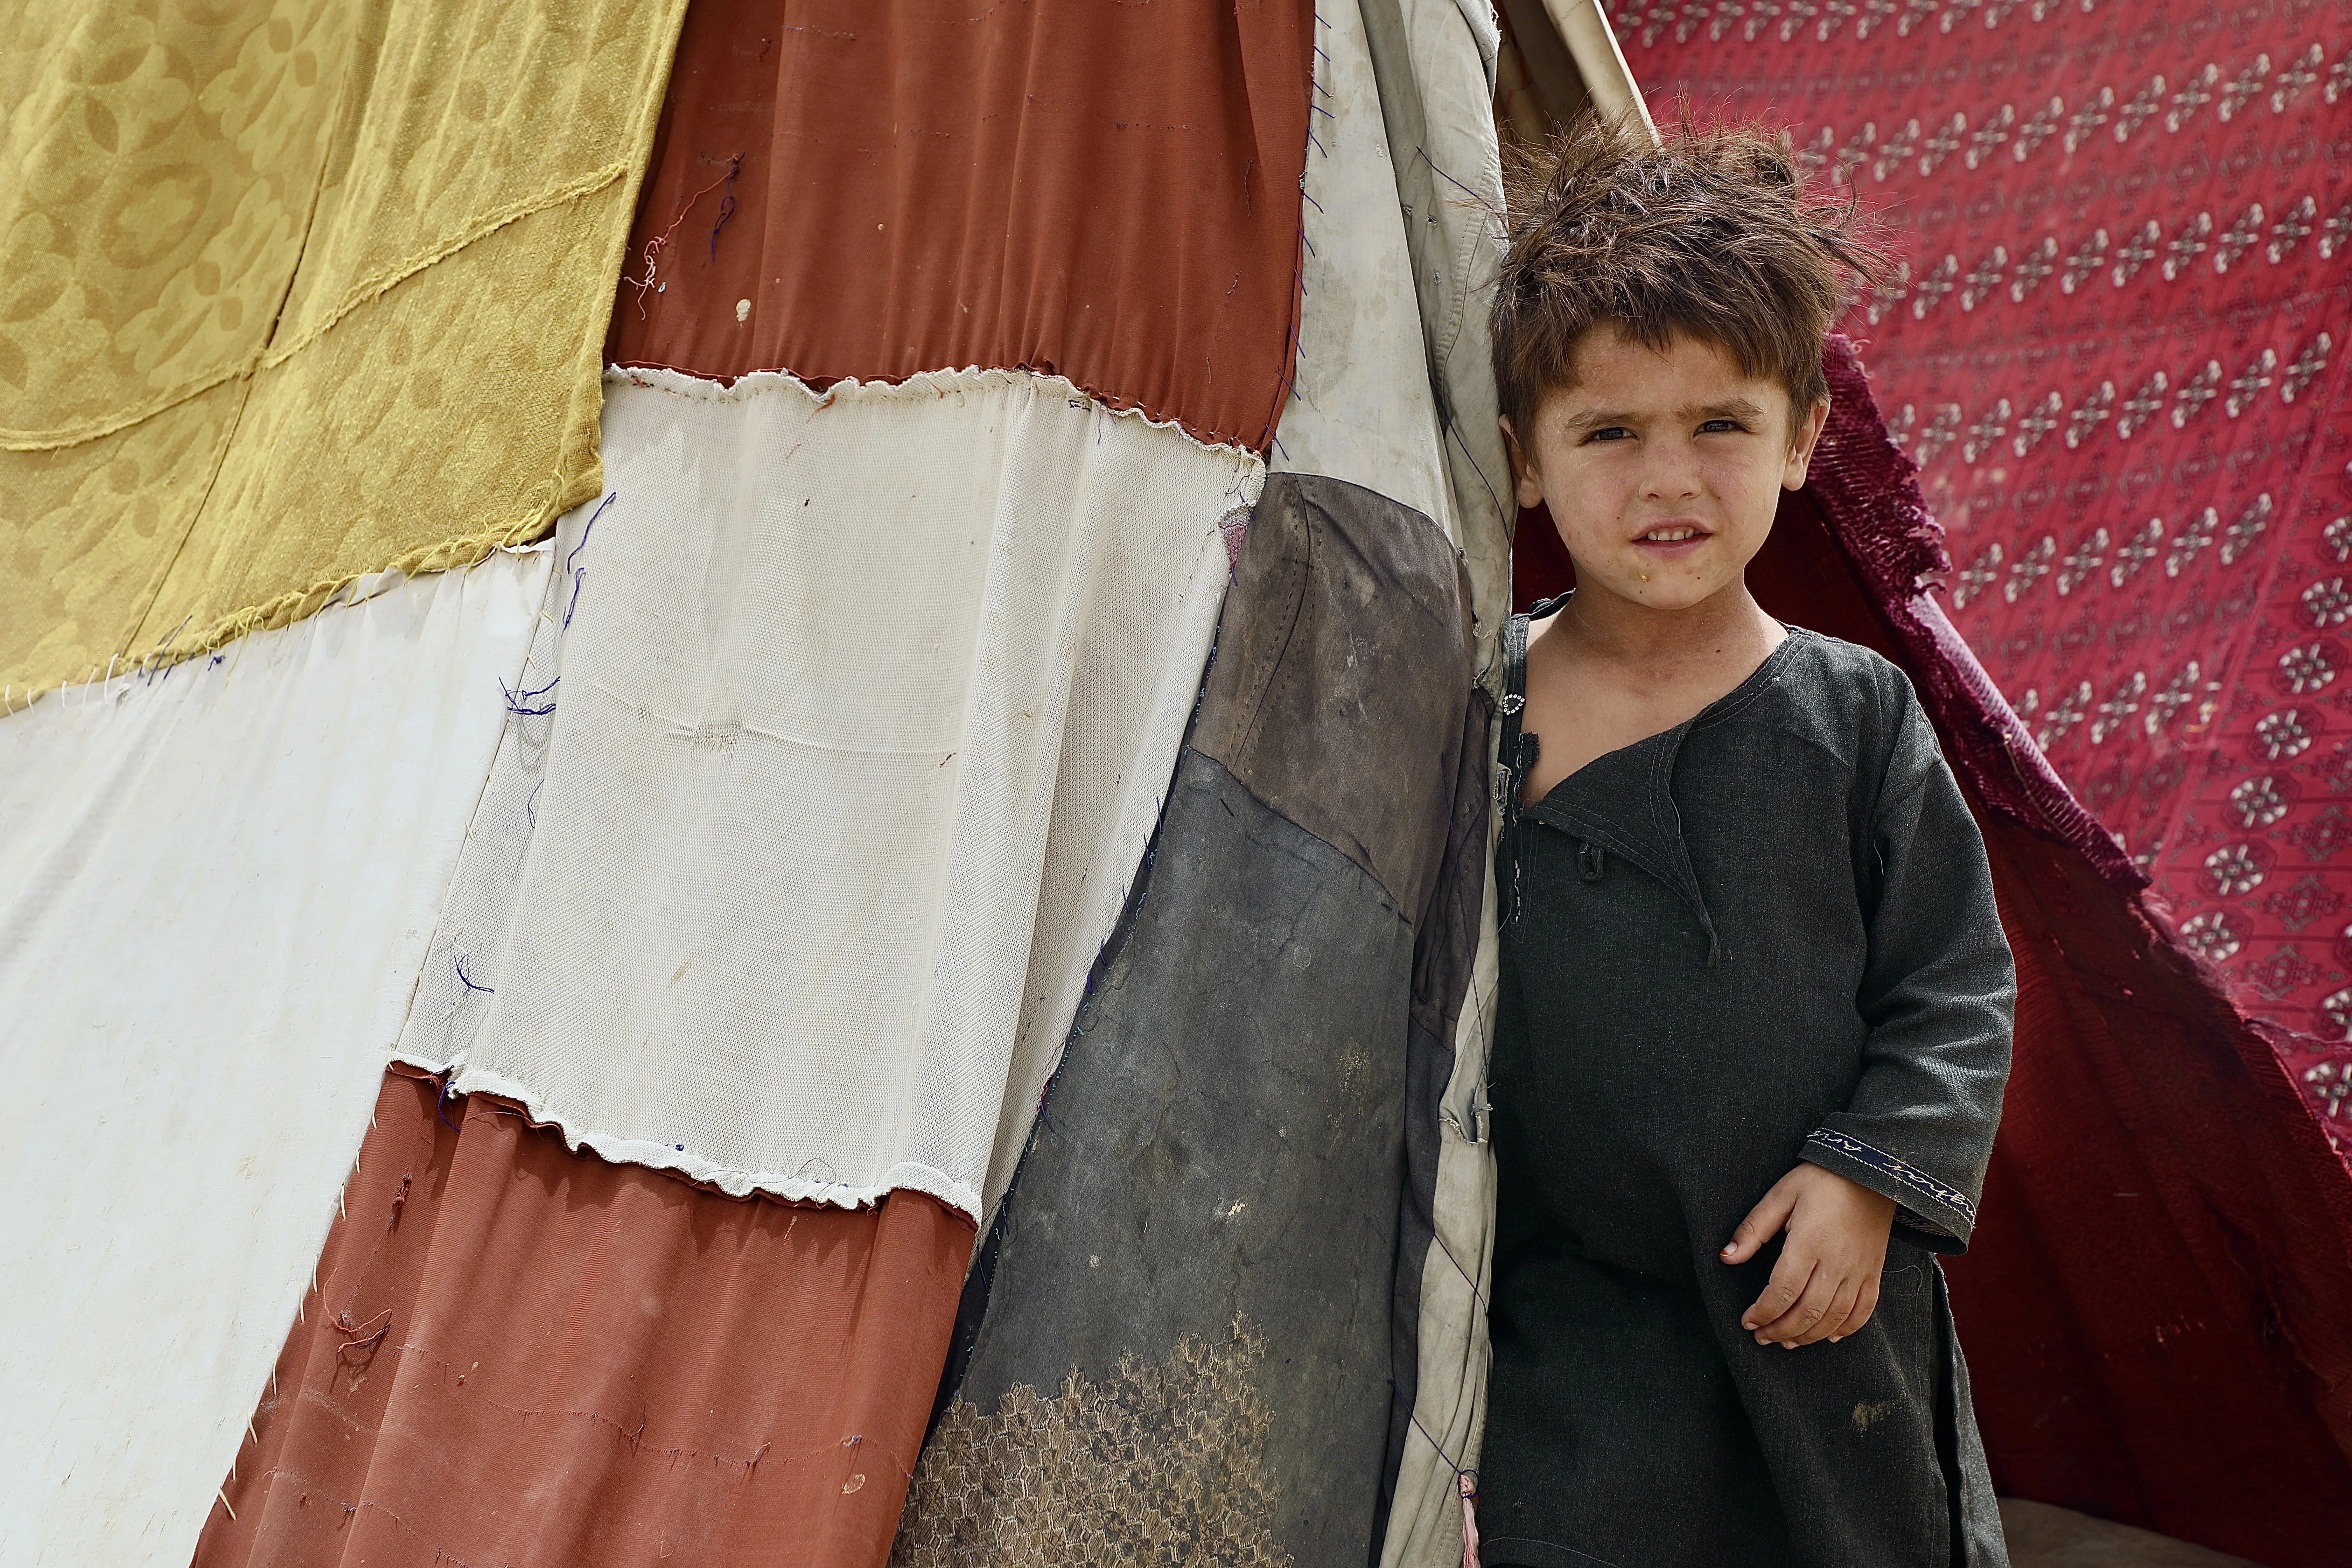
x=858 y=731
x=1362 y=409
x=215 y=899
x=1454 y=64
x=1449 y=1416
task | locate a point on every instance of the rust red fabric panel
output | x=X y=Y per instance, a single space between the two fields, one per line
x=1108 y=192
x=2151 y=1308
x=521 y=1355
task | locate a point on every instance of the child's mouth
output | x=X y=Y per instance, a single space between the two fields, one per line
x=1674 y=539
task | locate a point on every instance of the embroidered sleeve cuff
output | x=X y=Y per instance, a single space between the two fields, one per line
x=1939 y=1217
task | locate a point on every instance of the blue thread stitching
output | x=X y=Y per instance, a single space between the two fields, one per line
x=577 y=573
x=1909 y=1176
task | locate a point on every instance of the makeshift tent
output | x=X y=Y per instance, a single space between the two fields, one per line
x=802 y=584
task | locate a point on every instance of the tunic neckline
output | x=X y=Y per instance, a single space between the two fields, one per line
x=1722 y=707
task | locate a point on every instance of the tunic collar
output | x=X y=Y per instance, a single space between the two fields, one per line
x=1622 y=802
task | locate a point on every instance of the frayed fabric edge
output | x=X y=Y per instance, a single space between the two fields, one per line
x=346 y=594
x=907 y=1176
x=921 y=387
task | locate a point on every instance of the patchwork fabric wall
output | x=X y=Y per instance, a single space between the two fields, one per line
x=2115 y=350
x=220 y=882
x=777 y=809
x=726 y=997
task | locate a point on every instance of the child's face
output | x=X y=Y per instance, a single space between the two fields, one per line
x=1663 y=468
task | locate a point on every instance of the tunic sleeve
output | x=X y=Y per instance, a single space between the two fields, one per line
x=1938 y=995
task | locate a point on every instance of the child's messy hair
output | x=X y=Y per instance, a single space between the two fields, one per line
x=1713 y=235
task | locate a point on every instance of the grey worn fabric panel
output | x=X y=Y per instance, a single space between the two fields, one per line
x=1342 y=665
x=1185 y=1329
x=1200 y=1236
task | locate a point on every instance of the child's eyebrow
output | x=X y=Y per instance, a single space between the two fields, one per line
x=1602 y=418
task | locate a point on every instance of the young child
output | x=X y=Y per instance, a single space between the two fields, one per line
x=1756 y=1000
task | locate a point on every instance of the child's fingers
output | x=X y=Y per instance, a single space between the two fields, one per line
x=1806 y=1313
x=1790 y=1278
x=1865 y=1304
x=1762 y=1224
x=1865 y=1301
x=1832 y=1323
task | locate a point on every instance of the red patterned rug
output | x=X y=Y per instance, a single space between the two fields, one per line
x=2116 y=350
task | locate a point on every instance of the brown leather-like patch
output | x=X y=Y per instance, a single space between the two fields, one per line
x=1342 y=667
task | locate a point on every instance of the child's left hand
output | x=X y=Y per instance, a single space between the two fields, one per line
x=1825 y=1286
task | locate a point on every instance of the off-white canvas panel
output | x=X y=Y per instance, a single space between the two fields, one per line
x=215 y=891
x=832 y=774
x=1360 y=408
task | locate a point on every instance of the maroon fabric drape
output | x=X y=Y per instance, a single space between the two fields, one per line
x=516 y=1355
x=2116 y=348
x=869 y=189
x=2155 y=1306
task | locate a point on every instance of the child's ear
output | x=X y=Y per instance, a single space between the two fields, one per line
x=1807 y=434
x=1528 y=483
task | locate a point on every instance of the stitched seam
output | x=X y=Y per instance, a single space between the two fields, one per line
x=1887 y=1164
x=1758 y=687
x=265 y=357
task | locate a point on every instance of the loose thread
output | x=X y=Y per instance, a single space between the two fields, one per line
x=726 y=203
x=467 y=979
x=164 y=646
x=443 y=1114
x=1413 y=1415
x=519 y=703
x=652 y=282
x=343 y=1321
x=579 y=573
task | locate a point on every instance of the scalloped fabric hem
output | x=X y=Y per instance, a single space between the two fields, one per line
x=793 y=1187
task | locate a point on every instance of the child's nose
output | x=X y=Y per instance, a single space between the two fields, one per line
x=1671 y=474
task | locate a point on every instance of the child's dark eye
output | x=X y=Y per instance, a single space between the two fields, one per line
x=1721 y=425
x=1609 y=433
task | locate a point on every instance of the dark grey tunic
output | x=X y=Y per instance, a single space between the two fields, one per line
x=1766 y=935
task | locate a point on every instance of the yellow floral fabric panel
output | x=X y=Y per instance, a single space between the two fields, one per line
x=87 y=532
x=161 y=179
x=364 y=434
x=351 y=260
